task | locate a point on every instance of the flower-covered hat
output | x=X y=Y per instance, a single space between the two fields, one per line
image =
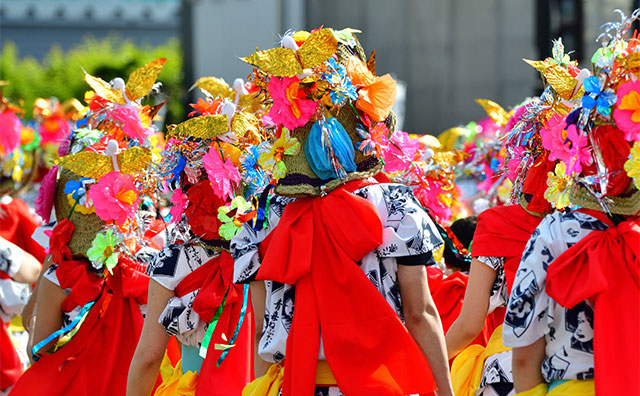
x=586 y=124
x=104 y=176
x=328 y=110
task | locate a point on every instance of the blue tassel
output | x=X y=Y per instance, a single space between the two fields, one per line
x=333 y=157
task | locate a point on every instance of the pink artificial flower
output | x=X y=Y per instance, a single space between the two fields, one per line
x=489 y=174
x=566 y=143
x=488 y=127
x=130 y=121
x=223 y=175
x=115 y=197
x=290 y=108
x=515 y=118
x=627 y=112
x=401 y=152
x=10 y=129
x=47 y=194
x=514 y=163
x=180 y=201
x=428 y=193
x=54 y=129
x=375 y=141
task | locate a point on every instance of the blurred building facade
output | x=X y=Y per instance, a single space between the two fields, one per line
x=447 y=52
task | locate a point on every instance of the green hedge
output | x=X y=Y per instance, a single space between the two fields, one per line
x=60 y=73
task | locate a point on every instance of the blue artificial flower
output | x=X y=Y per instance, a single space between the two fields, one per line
x=76 y=188
x=595 y=97
x=254 y=175
x=341 y=86
x=175 y=172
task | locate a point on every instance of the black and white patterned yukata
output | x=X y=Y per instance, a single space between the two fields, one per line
x=532 y=314
x=171 y=265
x=409 y=237
x=13 y=295
x=497 y=376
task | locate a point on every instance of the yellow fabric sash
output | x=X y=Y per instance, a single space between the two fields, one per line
x=174 y=382
x=466 y=370
x=270 y=383
x=569 y=388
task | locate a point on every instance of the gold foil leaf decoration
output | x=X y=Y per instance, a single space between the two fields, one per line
x=205 y=127
x=246 y=127
x=494 y=111
x=86 y=164
x=217 y=87
x=95 y=165
x=318 y=48
x=540 y=66
x=142 y=79
x=371 y=62
x=452 y=157
x=134 y=159
x=632 y=61
x=103 y=88
x=280 y=62
x=562 y=82
x=449 y=137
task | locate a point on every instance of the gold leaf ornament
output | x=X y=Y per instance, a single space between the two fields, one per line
x=499 y=115
x=217 y=87
x=141 y=80
x=94 y=165
x=246 y=127
x=204 y=127
x=285 y=62
x=103 y=88
x=558 y=78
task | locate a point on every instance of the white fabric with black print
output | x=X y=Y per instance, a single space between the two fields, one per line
x=499 y=295
x=171 y=265
x=408 y=231
x=497 y=376
x=532 y=314
x=13 y=295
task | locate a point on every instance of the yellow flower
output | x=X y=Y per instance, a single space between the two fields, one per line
x=272 y=160
x=504 y=191
x=632 y=166
x=558 y=184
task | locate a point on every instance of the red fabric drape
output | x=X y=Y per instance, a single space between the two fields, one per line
x=316 y=246
x=10 y=365
x=448 y=295
x=96 y=360
x=17 y=224
x=605 y=266
x=236 y=371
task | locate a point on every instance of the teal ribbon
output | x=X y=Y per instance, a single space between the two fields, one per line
x=212 y=326
x=243 y=313
x=36 y=348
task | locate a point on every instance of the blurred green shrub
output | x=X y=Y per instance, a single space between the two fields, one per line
x=60 y=73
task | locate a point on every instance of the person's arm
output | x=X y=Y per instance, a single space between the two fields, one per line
x=28 y=316
x=152 y=345
x=29 y=267
x=474 y=308
x=258 y=296
x=423 y=322
x=527 y=365
x=49 y=313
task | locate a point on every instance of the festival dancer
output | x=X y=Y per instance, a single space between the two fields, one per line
x=580 y=266
x=334 y=272
x=191 y=294
x=87 y=316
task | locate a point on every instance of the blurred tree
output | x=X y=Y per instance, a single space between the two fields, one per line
x=60 y=73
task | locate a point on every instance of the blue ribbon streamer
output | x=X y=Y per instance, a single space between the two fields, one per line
x=36 y=348
x=243 y=312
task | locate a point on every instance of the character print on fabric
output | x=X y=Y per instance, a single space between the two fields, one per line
x=6 y=263
x=586 y=221
x=586 y=374
x=397 y=197
x=528 y=250
x=170 y=321
x=166 y=261
x=495 y=381
x=555 y=366
x=522 y=303
x=287 y=307
x=579 y=321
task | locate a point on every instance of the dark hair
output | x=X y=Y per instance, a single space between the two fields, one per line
x=463 y=229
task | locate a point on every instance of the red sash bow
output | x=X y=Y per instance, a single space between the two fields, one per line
x=316 y=246
x=605 y=266
x=213 y=279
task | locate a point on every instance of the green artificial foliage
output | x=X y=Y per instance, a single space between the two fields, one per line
x=60 y=73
